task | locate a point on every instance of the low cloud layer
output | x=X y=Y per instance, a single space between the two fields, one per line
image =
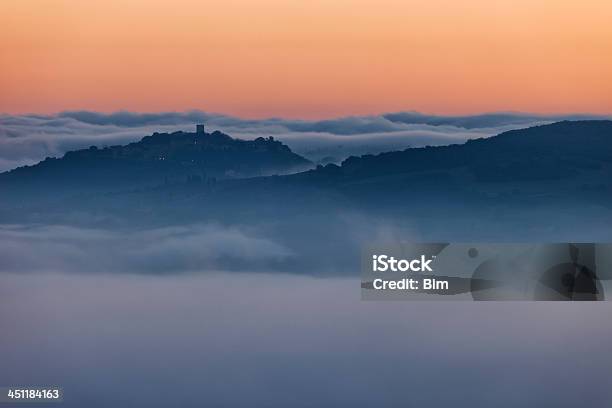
x=155 y=251
x=194 y=248
x=246 y=340
x=27 y=139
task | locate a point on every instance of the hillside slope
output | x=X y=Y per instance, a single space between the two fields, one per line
x=156 y=160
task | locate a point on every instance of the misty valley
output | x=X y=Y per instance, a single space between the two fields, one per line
x=190 y=255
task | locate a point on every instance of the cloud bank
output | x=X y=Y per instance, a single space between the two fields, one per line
x=27 y=139
x=160 y=251
x=244 y=340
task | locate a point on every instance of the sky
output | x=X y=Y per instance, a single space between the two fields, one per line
x=306 y=59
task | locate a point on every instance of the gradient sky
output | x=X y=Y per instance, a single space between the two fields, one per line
x=307 y=59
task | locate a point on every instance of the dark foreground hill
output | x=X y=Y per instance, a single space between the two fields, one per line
x=565 y=164
x=155 y=160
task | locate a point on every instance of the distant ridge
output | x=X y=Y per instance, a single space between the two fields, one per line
x=565 y=164
x=546 y=152
x=158 y=159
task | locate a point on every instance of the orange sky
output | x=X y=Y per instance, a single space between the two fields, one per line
x=309 y=59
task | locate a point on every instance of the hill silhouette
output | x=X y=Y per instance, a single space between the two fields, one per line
x=548 y=152
x=158 y=159
x=567 y=164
